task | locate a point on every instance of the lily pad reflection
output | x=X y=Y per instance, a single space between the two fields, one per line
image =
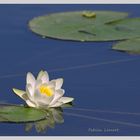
x=55 y=115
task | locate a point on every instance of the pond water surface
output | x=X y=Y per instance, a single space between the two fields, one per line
x=104 y=83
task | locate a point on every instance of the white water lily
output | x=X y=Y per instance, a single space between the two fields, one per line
x=42 y=93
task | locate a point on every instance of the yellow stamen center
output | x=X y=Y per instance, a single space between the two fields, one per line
x=46 y=90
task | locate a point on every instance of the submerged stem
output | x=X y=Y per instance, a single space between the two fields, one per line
x=86 y=32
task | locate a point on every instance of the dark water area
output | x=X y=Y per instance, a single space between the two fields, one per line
x=97 y=77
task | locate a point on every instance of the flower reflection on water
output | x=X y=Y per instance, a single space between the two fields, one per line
x=55 y=115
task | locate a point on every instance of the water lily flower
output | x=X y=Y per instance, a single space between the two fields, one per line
x=42 y=93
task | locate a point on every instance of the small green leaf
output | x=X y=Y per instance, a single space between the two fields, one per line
x=131 y=46
x=89 y=14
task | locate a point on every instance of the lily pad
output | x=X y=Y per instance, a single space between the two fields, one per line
x=79 y=26
x=128 y=28
x=18 y=114
x=131 y=46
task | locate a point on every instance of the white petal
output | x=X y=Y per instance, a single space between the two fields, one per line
x=29 y=90
x=40 y=74
x=43 y=76
x=38 y=84
x=31 y=104
x=42 y=99
x=65 y=100
x=30 y=79
x=57 y=104
x=59 y=83
x=58 y=94
x=22 y=94
x=51 y=84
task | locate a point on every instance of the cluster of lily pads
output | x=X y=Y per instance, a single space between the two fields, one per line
x=91 y=26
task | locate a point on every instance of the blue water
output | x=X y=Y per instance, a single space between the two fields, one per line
x=99 y=82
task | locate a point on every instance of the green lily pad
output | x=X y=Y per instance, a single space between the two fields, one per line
x=79 y=26
x=128 y=28
x=13 y=113
x=131 y=46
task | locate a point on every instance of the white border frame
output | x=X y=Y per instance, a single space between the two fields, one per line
x=69 y=1
x=70 y=138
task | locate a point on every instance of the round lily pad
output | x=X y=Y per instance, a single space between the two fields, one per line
x=13 y=113
x=131 y=46
x=79 y=26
